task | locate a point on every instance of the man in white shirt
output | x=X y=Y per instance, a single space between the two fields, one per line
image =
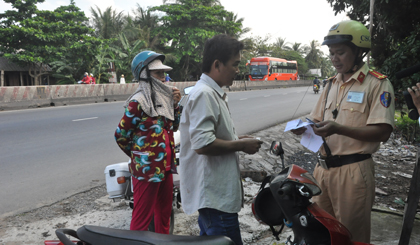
x=209 y=165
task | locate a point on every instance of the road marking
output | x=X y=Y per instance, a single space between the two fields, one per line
x=243 y=99
x=83 y=119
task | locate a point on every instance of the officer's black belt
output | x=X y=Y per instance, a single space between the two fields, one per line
x=338 y=161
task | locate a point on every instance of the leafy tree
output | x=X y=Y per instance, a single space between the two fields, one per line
x=395 y=35
x=258 y=46
x=186 y=26
x=37 y=38
x=64 y=71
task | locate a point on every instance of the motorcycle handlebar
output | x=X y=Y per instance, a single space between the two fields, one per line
x=286 y=189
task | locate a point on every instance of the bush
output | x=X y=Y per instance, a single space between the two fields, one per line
x=408 y=128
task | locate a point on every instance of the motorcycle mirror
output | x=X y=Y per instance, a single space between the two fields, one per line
x=276 y=148
x=187 y=90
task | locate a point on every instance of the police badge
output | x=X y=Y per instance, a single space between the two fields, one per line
x=385 y=99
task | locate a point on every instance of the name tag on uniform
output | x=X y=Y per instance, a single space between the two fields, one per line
x=355 y=97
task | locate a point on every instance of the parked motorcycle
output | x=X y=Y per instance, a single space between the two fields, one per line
x=316 y=88
x=286 y=201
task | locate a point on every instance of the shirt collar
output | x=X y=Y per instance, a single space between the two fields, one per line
x=359 y=75
x=211 y=83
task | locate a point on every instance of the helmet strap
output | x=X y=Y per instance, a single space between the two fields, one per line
x=148 y=79
x=357 y=61
x=148 y=73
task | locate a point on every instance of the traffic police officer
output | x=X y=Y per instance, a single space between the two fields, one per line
x=355 y=114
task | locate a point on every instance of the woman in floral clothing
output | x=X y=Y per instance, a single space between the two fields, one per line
x=145 y=134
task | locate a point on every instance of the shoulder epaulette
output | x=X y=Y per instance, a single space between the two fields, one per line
x=377 y=75
x=331 y=78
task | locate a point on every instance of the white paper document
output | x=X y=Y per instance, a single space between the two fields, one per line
x=309 y=139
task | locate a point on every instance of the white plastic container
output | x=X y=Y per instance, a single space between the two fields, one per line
x=112 y=172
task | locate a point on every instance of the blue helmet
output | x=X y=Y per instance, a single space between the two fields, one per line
x=141 y=60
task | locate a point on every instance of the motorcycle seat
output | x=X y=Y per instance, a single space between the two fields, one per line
x=103 y=235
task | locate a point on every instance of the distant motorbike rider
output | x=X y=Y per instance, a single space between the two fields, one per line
x=92 y=79
x=316 y=82
x=86 y=79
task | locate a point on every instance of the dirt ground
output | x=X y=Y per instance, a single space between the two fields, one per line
x=395 y=163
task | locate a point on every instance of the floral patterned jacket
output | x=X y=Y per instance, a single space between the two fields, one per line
x=148 y=141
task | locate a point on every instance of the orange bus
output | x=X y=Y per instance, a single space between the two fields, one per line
x=270 y=69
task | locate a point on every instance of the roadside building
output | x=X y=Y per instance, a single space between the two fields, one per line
x=12 y=74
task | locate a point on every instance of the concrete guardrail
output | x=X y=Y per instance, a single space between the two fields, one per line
x=23 y=97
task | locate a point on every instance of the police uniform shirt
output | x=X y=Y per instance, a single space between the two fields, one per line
x=366 y=98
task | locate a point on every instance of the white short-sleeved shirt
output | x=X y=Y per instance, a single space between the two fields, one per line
x=208 y=181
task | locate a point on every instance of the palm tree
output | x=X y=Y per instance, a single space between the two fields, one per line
x=327 y=68
x=281 y=44
x=143 y=25
x=300 y=49
x=313 y=58
x=145 y=18
x=107 y=24
x=234 y=18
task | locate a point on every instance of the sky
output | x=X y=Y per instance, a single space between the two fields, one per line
x=296 y=20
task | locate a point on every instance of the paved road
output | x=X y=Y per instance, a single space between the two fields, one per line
x=48 y=154
x=256 y=110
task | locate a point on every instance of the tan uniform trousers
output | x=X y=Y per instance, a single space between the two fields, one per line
x=348 y=193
